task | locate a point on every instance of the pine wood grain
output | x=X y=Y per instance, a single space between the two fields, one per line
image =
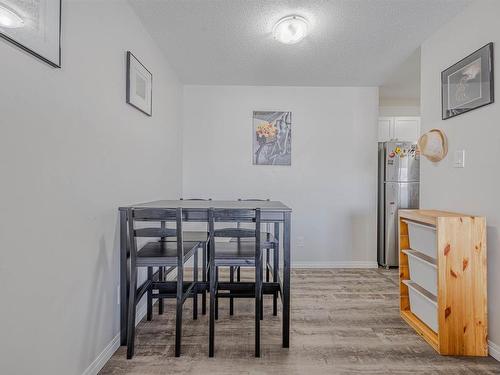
x=462 y=282
x=462 y=295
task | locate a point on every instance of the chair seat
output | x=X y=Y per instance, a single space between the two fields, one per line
x=234 y=254
x=191 y=236
x=163 y=253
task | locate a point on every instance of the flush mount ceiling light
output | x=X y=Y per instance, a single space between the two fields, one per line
x=290 y=30
x=10 y=19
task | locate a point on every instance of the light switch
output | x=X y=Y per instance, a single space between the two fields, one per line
x=459 y=159
x=300 y=241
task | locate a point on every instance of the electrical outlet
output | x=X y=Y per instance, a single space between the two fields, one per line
x=459 y=159
x=300 y=241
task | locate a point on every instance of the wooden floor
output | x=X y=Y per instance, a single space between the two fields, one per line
x=343 y=322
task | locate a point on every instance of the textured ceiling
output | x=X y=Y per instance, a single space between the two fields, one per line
x=351 y=42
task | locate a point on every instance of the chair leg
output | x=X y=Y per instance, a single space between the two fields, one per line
x=178 y=313
x=238 y=274
x=204 y=279
x=211 y=331
x=216 y=296
x=195 y=288
x=268 y=259
x=262 y=308
x=150 y=295
x=131 y=313
x=258 y=303
x=264 y=266
x=231 y=299
x=276 y=262
x=160 y=300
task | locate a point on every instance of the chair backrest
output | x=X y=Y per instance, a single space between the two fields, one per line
x=238 y=224
x=196 y=226
x=225 y=215
x=159 y=215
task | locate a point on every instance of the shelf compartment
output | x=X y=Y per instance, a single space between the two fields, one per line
x=423 y=304
x=422 y=238
x=423 y=270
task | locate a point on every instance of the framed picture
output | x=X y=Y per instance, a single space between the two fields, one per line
x=34 y=26
x=468 y=84
x=272 y=138
x=139 y=85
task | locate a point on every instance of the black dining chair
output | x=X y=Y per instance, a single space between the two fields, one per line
x=234 y=254
x=202 y=237
x=190 y=236
x=160 y=254
x=269 y=241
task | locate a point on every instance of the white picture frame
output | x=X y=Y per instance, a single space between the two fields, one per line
x=139 y=85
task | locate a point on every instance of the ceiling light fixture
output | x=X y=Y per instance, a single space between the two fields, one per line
x=9 y=19
x=290 y=30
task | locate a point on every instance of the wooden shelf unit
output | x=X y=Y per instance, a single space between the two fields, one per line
x=462 y=283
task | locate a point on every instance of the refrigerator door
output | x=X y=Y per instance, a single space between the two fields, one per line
x=402 y=162
x=397 y=195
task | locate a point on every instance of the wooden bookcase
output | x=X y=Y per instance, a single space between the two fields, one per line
x=462 y=284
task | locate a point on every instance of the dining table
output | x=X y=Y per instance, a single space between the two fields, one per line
x=272 y=212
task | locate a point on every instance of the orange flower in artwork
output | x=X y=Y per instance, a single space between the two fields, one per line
x=266 y=130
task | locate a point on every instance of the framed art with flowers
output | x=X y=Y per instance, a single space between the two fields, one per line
x=272 y=138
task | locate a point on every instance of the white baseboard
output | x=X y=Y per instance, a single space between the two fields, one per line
x=113 y=346
x=494 y=350
x=341 y=264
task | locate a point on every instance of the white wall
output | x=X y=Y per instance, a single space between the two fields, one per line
x=331 y=184
x=390 y=111
x=475 y=188
x=399 y=107
x=71 y=152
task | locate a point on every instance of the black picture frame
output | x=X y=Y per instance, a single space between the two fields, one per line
x=54 y=64
x=480 y=62
x=129 y=100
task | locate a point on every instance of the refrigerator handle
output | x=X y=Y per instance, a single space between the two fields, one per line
x=392 y=208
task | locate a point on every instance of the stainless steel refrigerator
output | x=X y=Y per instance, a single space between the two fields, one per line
x=398 y=187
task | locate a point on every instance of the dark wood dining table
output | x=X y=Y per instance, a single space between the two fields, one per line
x=197 y=211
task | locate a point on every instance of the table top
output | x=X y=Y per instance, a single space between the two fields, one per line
x=205 y=205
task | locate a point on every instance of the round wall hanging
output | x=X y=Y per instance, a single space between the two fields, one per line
x=433 y=145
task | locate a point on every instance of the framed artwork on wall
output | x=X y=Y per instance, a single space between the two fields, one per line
x=139 y=85
x=468 y=84
x=34 y=26
x=272 y=138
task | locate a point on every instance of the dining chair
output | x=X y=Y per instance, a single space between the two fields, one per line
x=235 y=254
x=160 y=254
x=270 y=241
x=190 y=236
x=202 y=237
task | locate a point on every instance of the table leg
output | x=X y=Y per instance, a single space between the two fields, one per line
x=286 y=280
x=124 y=277
x=276 y=265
